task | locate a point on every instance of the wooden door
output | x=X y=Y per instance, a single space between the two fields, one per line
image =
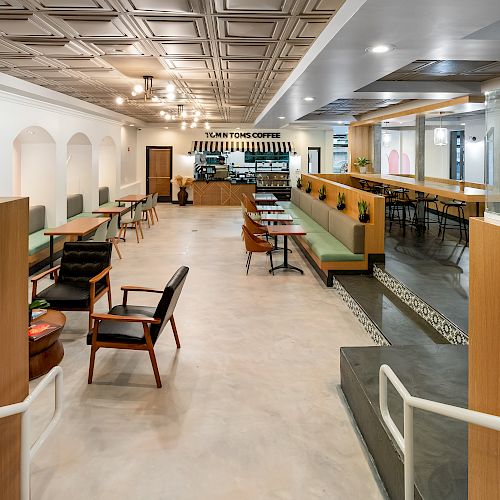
x=159 y=171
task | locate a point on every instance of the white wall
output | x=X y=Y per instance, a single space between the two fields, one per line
x=437 y=158
x=474 y=150
x=61 y=124
x=128 y=156
x=79 y=169
x=108 y=166
x=181 y=142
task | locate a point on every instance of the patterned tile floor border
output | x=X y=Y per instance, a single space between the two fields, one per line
x=451 y=332
x=370 y=327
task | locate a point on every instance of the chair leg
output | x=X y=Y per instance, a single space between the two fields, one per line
x=271 y=259
x=140 y=229
x=147 y=218
x=152 y=357
x=150 y=212
x=90 y=320
x=136 y=231
x=110 y=303
x=115 y=244
x=154 y=210
x=93 y=350
x=249 y=260
x=174 y=329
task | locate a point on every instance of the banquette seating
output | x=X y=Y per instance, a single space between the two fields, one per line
x=334 y=241
x=38 y=243
x=104 y=198
x=75 y=207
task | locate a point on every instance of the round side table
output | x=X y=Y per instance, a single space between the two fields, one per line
x=46 y=351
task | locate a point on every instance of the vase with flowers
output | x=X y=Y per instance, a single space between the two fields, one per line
x=183 y=183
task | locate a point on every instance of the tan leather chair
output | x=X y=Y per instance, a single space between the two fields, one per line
x=254 y=227
x=256 y=244
x=250 y=207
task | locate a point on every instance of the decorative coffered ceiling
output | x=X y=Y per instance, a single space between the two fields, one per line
x=226 y=57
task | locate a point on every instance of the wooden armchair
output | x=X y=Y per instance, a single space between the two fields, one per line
x=81 y=279
x=137 y=327
x=255 y=244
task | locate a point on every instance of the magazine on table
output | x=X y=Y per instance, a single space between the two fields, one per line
x=42 y=329
x=37 y=313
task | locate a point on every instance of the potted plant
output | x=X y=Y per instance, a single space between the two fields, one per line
x=340 y=201
x=322 y=192
x=362 y=164
x=309 y=187
x=299 y=183
x=183 y=183
x=36 y=304
x=364 y=216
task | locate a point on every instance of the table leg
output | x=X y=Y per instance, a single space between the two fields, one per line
x=51 y=256
x=420 y=213
x=285 y=266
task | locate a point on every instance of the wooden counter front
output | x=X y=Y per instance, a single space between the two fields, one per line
x=220 y=193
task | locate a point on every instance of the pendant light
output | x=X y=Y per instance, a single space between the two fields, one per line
x=440 y=133
x=386 y=138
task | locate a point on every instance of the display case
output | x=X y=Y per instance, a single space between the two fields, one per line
x=272 y=172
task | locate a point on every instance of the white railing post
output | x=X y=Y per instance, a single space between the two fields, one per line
x=408 y=452
x=410 y=402
x=23 y=408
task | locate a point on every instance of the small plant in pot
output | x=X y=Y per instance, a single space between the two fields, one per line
x=299 y=183
x=183 y=183
x=362 y=163
x=322 y=192
x=36 y=304
x=364 y=216
x=309 y=187
x=340 y=201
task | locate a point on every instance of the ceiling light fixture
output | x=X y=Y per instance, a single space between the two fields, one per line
x=170 y=96
x=196 y=119
x=168 y=116
x=193 y=125
x=119 y=100
x=133 y=93
x=309 y=99
x=162 y=113
x=170 y=87
x=197 y=113
x=281 y=117
x=207 y=126
x=440 y=133
x=138 y=89
x=380 y=49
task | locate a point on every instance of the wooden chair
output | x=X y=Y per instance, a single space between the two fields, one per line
x=112 y=234
x=255 y=227
x=250 y=207
x=137 y=327
x=255 y=244
x=155 y=202
x=147 y=211
x=134 y=221
x=80 y=280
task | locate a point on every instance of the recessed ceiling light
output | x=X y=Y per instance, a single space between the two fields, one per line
x=162 y=113
x=138 y=88
x=463 y=124
x=380 y=49
x=131 y=125
x=170 y=96
x=170 y=87
x=119 y=100
x=308 y=98
x=281 y=117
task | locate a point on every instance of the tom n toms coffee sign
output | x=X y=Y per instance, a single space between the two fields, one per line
x=243 y=135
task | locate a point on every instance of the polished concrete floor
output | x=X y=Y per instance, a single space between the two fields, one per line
x=250 y=407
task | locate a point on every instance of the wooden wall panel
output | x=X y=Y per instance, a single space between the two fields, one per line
x=360 y=144
x=13 y=334
x=374 y=230
x=220 y=193
x=484 y=357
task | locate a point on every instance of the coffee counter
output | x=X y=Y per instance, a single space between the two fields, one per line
x=223 y=193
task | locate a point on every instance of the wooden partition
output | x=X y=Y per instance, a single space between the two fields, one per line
x=484 y=357
x=374 y=230
x=360 y=144
x=13 y=335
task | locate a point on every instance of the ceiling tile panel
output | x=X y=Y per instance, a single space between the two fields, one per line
x=226 y=58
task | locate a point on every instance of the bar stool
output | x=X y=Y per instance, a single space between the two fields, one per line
x=427 y=201
x=459 y=206
x=401 y=205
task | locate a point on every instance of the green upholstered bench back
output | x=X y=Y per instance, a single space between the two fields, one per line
x=74 y=205
x=347 y=230
x=36 y=218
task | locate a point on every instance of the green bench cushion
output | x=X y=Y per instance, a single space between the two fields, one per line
x=38 y=241
x=301 y=218
x=110 y=204
x=83 y=214
x=329 y=249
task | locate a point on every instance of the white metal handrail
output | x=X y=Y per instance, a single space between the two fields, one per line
x=27 y=451
x=405 y=442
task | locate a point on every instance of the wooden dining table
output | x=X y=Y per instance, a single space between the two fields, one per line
x=286 y=230
x=426 y=187
x=77 y=227
x=270 y=209
x=267 y=197
x=111 y=211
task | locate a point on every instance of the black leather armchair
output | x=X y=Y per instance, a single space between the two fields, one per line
x=81 y=279
x=137 y=327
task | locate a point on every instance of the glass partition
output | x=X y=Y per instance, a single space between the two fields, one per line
x=492 y=155
x=398 y=149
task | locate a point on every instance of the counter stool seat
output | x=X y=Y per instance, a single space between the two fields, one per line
x=462 y=223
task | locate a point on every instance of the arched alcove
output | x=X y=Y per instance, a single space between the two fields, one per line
x=34 y=162
x=79 y=169
x=108 y=164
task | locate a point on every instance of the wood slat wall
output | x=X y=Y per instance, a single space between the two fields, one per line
x=484 y=356
x=360 y=144
x=13 y=335
x=374 y=230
